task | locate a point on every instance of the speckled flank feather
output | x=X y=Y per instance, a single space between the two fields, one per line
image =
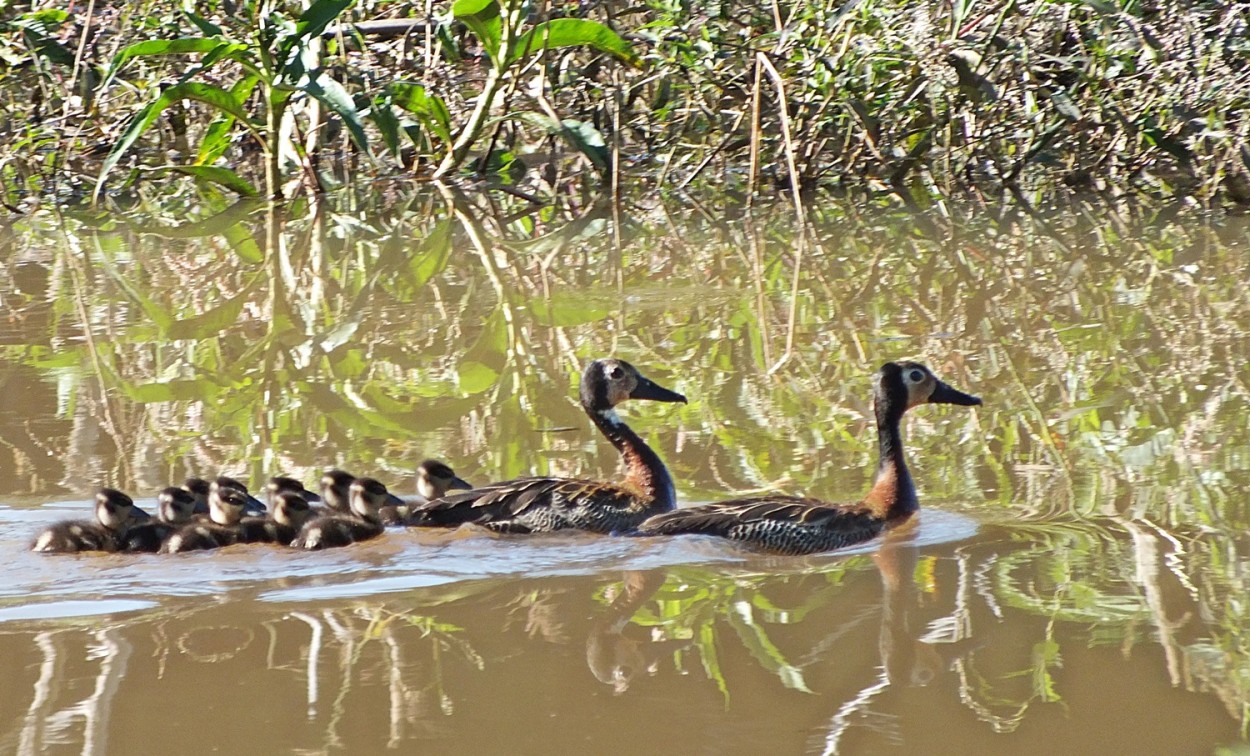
x=537 y=505
x=780 y=525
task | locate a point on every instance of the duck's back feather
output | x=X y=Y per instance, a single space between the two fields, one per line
x=778 y=524
x=537 y=504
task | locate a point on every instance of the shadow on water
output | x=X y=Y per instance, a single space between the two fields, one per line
x=1076 y=581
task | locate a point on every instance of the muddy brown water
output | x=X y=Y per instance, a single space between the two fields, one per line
x=1076 y=581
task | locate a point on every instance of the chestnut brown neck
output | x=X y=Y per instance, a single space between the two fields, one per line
x=644 y=471
x=893 y=495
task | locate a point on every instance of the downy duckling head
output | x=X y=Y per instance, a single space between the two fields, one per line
x=253 y=505
x=290 y=509
x=198 y=488
x=117 y=511
x=899 y=386
x=280 y=483
x=226 y=506
x=336 y=489
x=175 y=505
x=435 y=479
x=367 y=497
x=608 y=382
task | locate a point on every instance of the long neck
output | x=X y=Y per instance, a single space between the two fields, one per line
x=893 y=495
x=644 y=471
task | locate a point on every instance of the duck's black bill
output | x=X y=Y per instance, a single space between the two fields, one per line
x=393 y=500
x=649 y=389
x=310 y=497
x=944 y=394
x=253 y=505
x=139 y=515
x=460 y=483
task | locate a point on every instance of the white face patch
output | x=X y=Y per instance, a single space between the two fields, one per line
x=44 y=543
x=610 y=416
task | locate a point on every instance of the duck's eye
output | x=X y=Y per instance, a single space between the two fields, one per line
x=615 y=373
x=916 y=376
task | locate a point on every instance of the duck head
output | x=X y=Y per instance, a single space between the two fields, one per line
x=226 y=505
x=175 y=505
x=254 y=506
x=336 y=489
x=198 y=488
x=367 y=497
x=435 y=479
x=290 y=509
x=903 y=385
x=608 y=382
x=117 y=511
x=279 y=483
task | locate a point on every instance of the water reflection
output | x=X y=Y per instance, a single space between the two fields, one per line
x=1109 y=468
x=857 y=654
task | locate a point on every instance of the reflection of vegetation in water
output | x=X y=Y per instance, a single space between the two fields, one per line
x=695 y=604
x=445 y=327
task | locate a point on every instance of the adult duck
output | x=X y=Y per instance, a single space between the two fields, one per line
x=796 y=525
x=530 y=505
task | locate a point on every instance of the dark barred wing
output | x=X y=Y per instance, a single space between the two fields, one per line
x=779 y=524
x=535 y=505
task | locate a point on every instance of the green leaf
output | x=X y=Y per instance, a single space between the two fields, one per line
x=210 y=323
x=383 y=116
x=572 y=32
x=212 y=174
x=430 y=109
x=243 y=244
x=433 y=255
x=169 y=391
x=474 y=377
x=585 y=137
x=206 y=27
x=482 y=17
x=216 y=139
x=335 y=97
x=206 y=93
x=158 y=47
x=318 y=16
x=212 y=226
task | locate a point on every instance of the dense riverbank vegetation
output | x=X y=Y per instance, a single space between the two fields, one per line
x=1036 y=100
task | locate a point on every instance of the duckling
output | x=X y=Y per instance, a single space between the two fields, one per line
x=289 y=510
x=545 y=504
x=226 y=506
x=796 y=525
x=336 y=488
x=434 y=480
x=332 y=530
x=115 y=513
x=198 y=488
x=280 y=483
x=254 y=506
x=176 y=508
